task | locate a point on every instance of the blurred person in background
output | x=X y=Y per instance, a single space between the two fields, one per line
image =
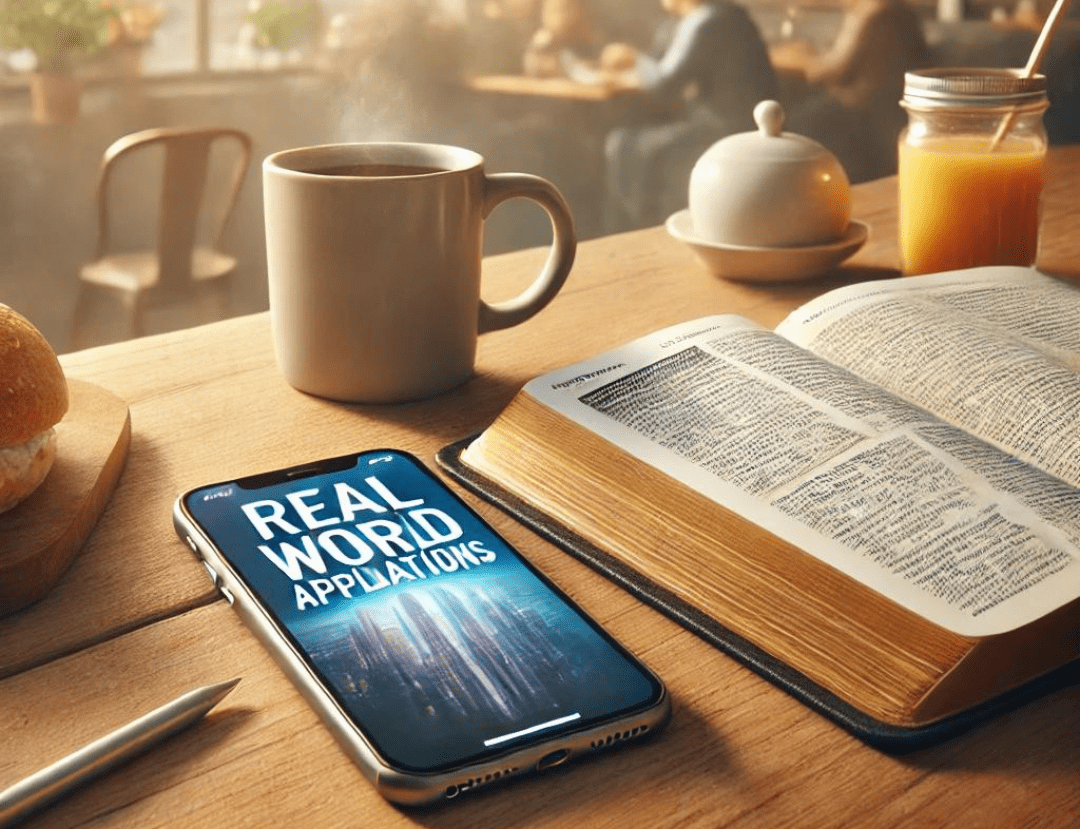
x=498 y=33
x=848 y=97
x=564 y=25
x=699 y=83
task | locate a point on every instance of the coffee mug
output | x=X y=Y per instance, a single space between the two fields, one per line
x=373 y=256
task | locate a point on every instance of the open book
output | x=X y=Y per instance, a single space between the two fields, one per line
x=877 y=505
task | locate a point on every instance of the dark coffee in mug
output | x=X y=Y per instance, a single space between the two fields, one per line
x=375 y=170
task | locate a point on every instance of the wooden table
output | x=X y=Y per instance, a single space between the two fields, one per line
x=554 y=88
x=135 y=621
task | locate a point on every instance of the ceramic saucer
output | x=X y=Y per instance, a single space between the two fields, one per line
x=747 y=264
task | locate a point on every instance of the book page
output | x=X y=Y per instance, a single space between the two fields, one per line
x=937 y=520
x=993 y=350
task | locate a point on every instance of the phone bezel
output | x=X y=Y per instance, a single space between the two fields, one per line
x=400 y=784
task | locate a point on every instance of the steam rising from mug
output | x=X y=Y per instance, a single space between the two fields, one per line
x=374 y=259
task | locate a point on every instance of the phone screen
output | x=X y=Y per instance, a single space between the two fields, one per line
x=440 y=642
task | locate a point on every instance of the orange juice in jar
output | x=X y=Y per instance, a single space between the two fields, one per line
x=970 y=171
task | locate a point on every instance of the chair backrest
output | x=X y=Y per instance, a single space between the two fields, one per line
x=186 y=160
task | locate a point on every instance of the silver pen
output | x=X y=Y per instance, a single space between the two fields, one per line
x=114 y=748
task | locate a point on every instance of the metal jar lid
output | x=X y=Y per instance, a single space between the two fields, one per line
x=973 y=87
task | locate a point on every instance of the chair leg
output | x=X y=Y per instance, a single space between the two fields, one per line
x=212 y=301
x=95 y=312
x=97 y=306
x=135 y=313
x=79 y=337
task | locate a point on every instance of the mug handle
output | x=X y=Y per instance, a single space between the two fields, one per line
x=499 y=187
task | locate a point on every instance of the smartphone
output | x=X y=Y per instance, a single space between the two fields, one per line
x=436 y=654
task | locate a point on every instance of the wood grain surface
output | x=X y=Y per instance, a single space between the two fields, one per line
x=40 y=536
x=134 y=621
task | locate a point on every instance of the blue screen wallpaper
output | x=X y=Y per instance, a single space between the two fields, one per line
x=434 y=635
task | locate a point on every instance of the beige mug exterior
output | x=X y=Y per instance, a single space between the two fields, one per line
x=374 y=281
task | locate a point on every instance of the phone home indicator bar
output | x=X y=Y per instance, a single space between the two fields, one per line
x=494 y=741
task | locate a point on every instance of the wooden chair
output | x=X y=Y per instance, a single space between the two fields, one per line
x=178 y=268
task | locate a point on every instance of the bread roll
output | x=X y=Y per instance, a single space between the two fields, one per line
x=33 y=399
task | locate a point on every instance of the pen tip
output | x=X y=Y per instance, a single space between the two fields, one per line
x=221 y=689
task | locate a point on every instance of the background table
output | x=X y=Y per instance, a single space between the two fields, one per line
x=556 y=128
x=135 y=621
x=554 y=88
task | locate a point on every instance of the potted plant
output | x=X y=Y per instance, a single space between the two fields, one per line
x=282 y=26
x=130 y=32
x=61 y=34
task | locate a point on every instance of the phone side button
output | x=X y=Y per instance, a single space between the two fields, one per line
x=227 y=593
x=217 y=582
x=211 y=572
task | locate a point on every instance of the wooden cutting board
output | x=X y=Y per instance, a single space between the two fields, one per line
x=40 y=537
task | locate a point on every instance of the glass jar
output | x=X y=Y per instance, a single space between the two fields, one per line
x=971 y=168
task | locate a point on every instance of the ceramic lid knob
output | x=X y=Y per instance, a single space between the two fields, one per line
x=769 y=117
x=769 y=188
